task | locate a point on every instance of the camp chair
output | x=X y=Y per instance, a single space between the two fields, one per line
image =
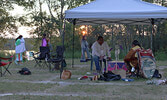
x=6 y=64
x=57 y=59
x=42 y=56
x=105 y=61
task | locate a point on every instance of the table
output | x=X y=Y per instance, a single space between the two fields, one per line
x=114 y=65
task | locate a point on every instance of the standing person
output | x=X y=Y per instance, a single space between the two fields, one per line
x=44 y=41
x=84 y=48
x=100 y=51
x=19 y=49
x=131 y=58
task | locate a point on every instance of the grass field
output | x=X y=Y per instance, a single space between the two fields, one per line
x=46 y=85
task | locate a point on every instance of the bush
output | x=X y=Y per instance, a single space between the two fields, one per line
x=68 y=54
x=161 y=55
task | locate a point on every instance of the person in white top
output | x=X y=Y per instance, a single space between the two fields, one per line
x=20 y=49
x=100 y=51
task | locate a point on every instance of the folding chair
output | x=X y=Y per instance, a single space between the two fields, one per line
x=5 y=65
x=42 y=56
x=105 y=61
x=57 y=59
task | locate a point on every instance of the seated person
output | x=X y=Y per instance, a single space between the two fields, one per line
x=99 y=51
x=131 y=58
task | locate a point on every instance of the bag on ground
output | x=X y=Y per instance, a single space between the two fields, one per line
x=25 y=71
x=66 y=74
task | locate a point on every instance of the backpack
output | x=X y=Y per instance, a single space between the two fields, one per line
x=157 y=74
x=25 y=71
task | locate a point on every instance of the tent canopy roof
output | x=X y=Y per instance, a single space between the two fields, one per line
x=117 y=11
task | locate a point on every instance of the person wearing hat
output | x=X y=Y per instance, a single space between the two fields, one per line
x=131 y=58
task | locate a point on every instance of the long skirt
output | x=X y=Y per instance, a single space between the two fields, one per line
x=19 y=57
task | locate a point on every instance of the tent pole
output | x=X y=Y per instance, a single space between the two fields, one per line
x=61 y=70
x=74 y=22
x=152 y=32
x=64 y=32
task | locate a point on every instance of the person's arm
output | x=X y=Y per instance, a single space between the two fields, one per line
x=22 y=40
x=129 y=55
x=17 y=42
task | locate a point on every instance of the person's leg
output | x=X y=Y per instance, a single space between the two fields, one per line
x=129 y=67
x=20 y=58
x=83 y=54
x=129 y=70
x=104 y=60
x=17 y=58
x=88 y=53
x=96 y=60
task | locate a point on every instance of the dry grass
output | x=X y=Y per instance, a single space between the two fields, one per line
x=45 y=85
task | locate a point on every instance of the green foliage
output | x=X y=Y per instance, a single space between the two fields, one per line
x=68 y=54
x=161 y=55
x=52 y=24
x=7 y=21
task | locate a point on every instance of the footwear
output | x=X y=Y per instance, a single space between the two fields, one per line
x=88 y=59
x=133 y=75
x=16 y=62
x=133 y=69
x=83 y=60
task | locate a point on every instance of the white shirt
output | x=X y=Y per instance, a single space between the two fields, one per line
x=21 y=47
x=100 y=50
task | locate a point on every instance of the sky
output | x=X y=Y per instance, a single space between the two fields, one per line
x=22 y=30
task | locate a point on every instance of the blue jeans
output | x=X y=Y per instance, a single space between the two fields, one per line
x=98 y=65
x=83 y=53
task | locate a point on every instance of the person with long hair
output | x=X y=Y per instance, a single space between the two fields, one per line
x=131 y=58
x=19 y=49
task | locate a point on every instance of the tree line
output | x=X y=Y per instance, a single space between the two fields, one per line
x=51 y=22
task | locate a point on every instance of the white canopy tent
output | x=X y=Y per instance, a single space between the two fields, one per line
x=116 y=12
